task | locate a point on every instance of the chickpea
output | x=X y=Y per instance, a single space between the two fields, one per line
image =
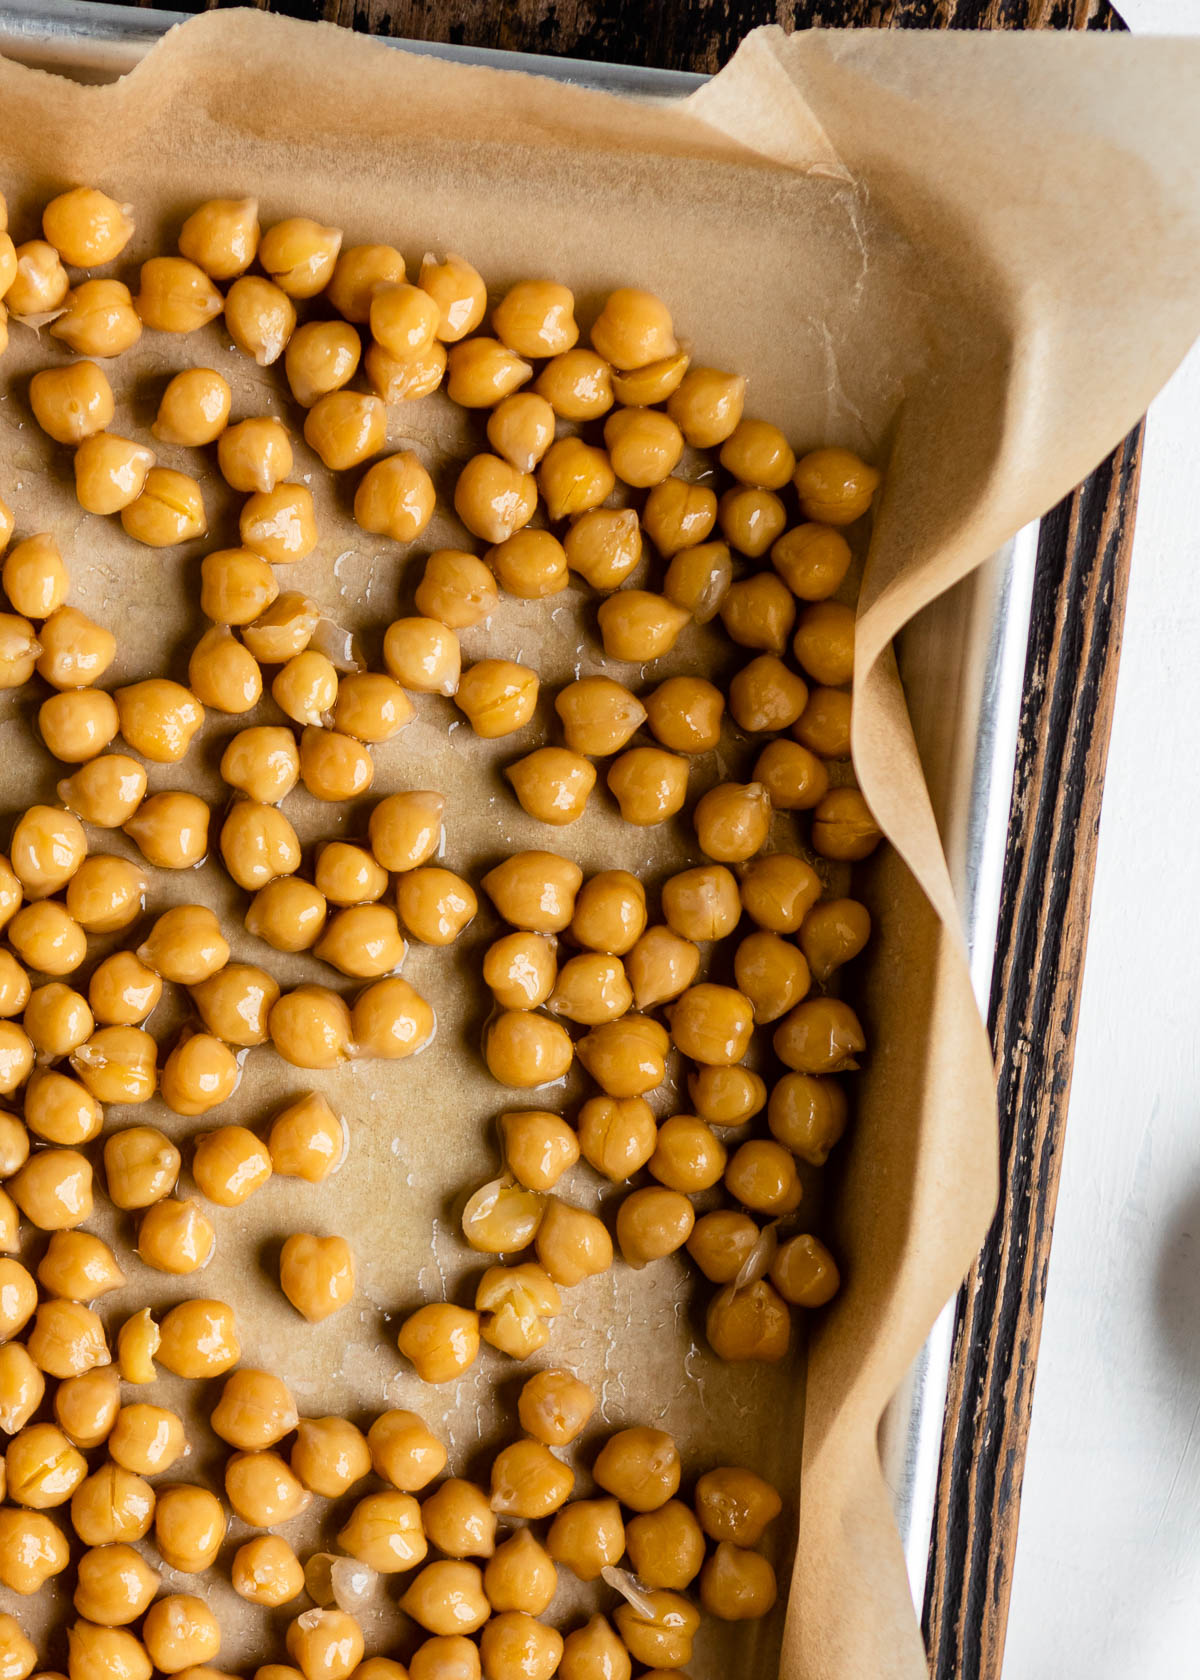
x=171 y=830
x=175 y=296
x=824 y=643
x=300 y=255
x=654 y=383
x=529 y=1481
x=574 y=477
x=235 y=1003
x=329 y=1455
x=435 y=905
x=333 y=766
x=70 y=404
x=255 y=1410
x=457 y=589
x=46 y=848
x=404 y=1451
x=288 y=913
x=737 y=1585
x=35 y=578
x=604 y=545
x=194 y=408
x=7 y=522
x=824 y=725
x=766 y=696
x=653 y=1223
x=105 y=894
x=638 y=626
x=520 y=1575
x=843 y=827
x=482 y=372
x=687 y=1157
x=712 y=1024
x=54 y=1189
x=644 y=446
x=493 y=499
x=535 y=890
x=306 y=688
x=538 y=1147
x=750 y=521
x=19 y=651
x=397 y=380
x=735 y=1505
x=552 y=784
x=15 y=986
x=834 y=932
x=821 y=1035
x=441 y=1340
x=199 y=1073
x=189 y=1527
x=112 y=1505
x=626 y=1058
x=805 y=1273
x=812 y=560
x=78 y=1266
x=310 y=1027
x=179 y=1632
x=835 y=486
x=707 y=406
x=258 y=844
x=115 y=1585
x=385 y=1533
x=22 y=1387
x=371 y=706
x=230 y=1164
x=106 y=791
x=260 y=318
x=598 y=715
x=459 y=1521
x=18 y=1297
x=141 y=1166
x=577 y=384
x=447 y=1597
x=16 y=1051
x=158 y=718
x=405 y=829
x=423 y=655
x=267 y=1571
x=263 y=763
x=147 y=1439
x=40 y=283
x=757 y=453
x=524 y=1050
x=392 y=1021
x=659 y=1632
x=761 y=1175
x=43 y=1468
x=137 y=1343
x=87 y=228
x=280 y=525
x=587 y=1536
x=33 y=1549
x=591 y=988
x=794 y=777
x=721 y=1242
x=648 y=784
x=661 y=966
x=77 y=725
x=678 y=516
x=808 y=1115
x=733 y=821
x=515 y=1644
x=404 y=320
x=572 y=1244
x=520 y=429
x=283 y=630
x=221 y=236
x=57 y=1020
x=345 y=428
x=617 y=1135
x=255 y=454
x=307 y=1139
x=317 y=1275
x=520 y=969
x=87 y=1404
x=459 y=293
x=594 y=1652
x=758 y=612
x=633 y=329
x=199 y=1339
x=263 y=1490
x=515 y=1301
x=666 y=1547
x=321 y=357
x=348 y=874
x=101 y=1653
x=75 y=652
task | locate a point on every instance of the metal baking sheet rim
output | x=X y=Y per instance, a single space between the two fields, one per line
x=968 y=742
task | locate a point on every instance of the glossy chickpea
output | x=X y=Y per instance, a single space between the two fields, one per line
x=835 y=486
x=649 y=785
x=520 y=429
x=834 y=932
x=255 y=1410
x=637 y=626
x=617 y=1135
x=595 y=1652
x=280 y=525
x=255 y=454
x=111 y=1505
x=554 y=1407
x=633 y=329
x=87 y=228
x=199 y=1073
x=189 y=1527
x=524 y=1050
x=141 y=1166
x=179 y=1632
x=137 y=1343
x=159 y=718
x=707 y=406
x=175 y=295
x=422 y=654
x=47 y=846
x=288 y=914
x=766 y=696
x=552 y=784
x=688 y=1157
x=40 y=283
x=572 y=1244
x=33 y=1549
x=405 y=829
x=843 y=827
x=199 y=1339
x=685 y=714
x=194 y=408
x=644 y=445
x=459 y=1521
x=573 y=477
x=779 y=891
x=334 y=767
x=348 y=874
x=321 y=357
x=604 y=545
x=737 y=1585
x=230 y=1164
x=78 y=1266
x=22 y=1387
x=642 y=387
x=483 y=372
x=114 y=1585
x=221 y=236
x=260 y=318
x=317 y=1275
x=457 y=589
x=267 y=1571
x=384 y=1532
x=535 y=890
x=19 y=651
x=86 y=1401
x=357 y=274
x=258 y=844
x=398 y=380
x=392 y=1021
x=529 y=1481
x=57 y=1019
x=106 y=894
x=16 y=1051
x=263 y=1490
x=520 y=969
x=300 y=255
x=804 y=1272
x=812 y=560
x=660 y=966
x=733 y=821
x=626 y=1058
x=35 y=578
x=54 y=1189
x=758 y=453
x=538 y=1147
x=598 y=715
x=515 y=1303
x=371 y=706
x=666 y=1547
x=147 y=1439
x=101 y=1653
x=653 y=1223
x=726 y=1096
x=42 y=1467
x=307 y=1139
x=71 y=403
x=536 y=318
x=794 y=777
x=60 y=1110
x=721 y=1243
x=77 y=725
x=587 y=1536
x=310 y=1027
x=821 y=1035
x=10 y=892
x=824 y=725
x=306 y=687
x=520 y=1575
x=640 y=1467
x=762 y=1176
x=18 y=1296
x=458 y=291
x=435 y=905
x=750 y=521
x=591 y=988
x=447 y=1598
x=262 y=762
x=824 y=643
x=15 y=985
x=329 y=1455
x=712 y=1024
x=808 y=1115
x=530 y=564
x=345 y=428
x=493 y=499
x=515 y=1644
x=403 y=319
x=659 y=1629
x=441 y=1341
x=171 y=830
x=679 y=516
x=404 y=1451
x=577 y=384
x=74 y=652
x=235 y=1003
x=185 y=945
x=735 y=1505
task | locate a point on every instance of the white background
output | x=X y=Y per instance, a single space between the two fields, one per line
x=1107 y=1578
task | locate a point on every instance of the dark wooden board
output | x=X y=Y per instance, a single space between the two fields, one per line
x=1070 y=684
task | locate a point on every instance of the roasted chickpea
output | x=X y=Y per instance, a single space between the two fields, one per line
x=572 y=1244
x=70 y=404
x=765 y=695
x=171 y=830
x=524 y=1050
x=762 y=1176
x=33 y=1549
x=653 y=1223
x=317 y=1275
x=758 y=612
x=348 y=874
x=661 y=966
x=112 y=1505
x=538 y=1147
x=310 y=1027
x=405 y=829
x=267 y=1571
x=333 y=766
x=54 y=1189
x=115 y=1585
x=435 y=905
x=175 y=1237
x=230 y=1164
x=345 y=428
x=459 y=1521
x=824 y=725
x=19 y=651
x=42 y=1468
x=735 y=1505
x=457 y=589
x=604 y=545
x=78 y=724
x=751 y=520
x=685 y=714
x=441 y=1340
x=105 y=894
x=221 y=236
x=666 y=1547
x=520 y=969
x=678 y=516
x=493 y=499
x=595 y=1650
x=447 y=1597
x=40 y=283
x=288 y=913
x=307 y=1139
x=638 y=626
x=707 y=406
x=687 y=1156
x=640 y=1467
x=258 y=844
x=263 y=763
x=587 y=1536
x=263 y=1490
x=721 y=1243
x=78 y=1266
x=189 y=1527
x=194 y=408
x=737 y=1585
x=648 y=784
x=260 y=318
x=552 y=784
x=45 y=937
x=626 y=1058
x=598 y=715
x=100 y=1653
x=235 y=586
x=712 y=1024
x=794 y=777
x=824 y=643
x=574 y=477
x=404 y=1451
x=75 y=652
x=757 y=453
x=141 y=1166
x=808 y=1115
x=199 y=1339
x=280 y=525
x=821 y=1035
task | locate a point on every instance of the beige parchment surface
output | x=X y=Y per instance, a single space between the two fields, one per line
x=974 y=258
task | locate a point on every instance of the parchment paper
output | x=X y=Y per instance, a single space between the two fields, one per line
x=975 y=258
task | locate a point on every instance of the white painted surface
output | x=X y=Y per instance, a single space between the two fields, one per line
x=1107 y=1577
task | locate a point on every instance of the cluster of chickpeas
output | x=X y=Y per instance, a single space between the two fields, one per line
x=595 y=466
